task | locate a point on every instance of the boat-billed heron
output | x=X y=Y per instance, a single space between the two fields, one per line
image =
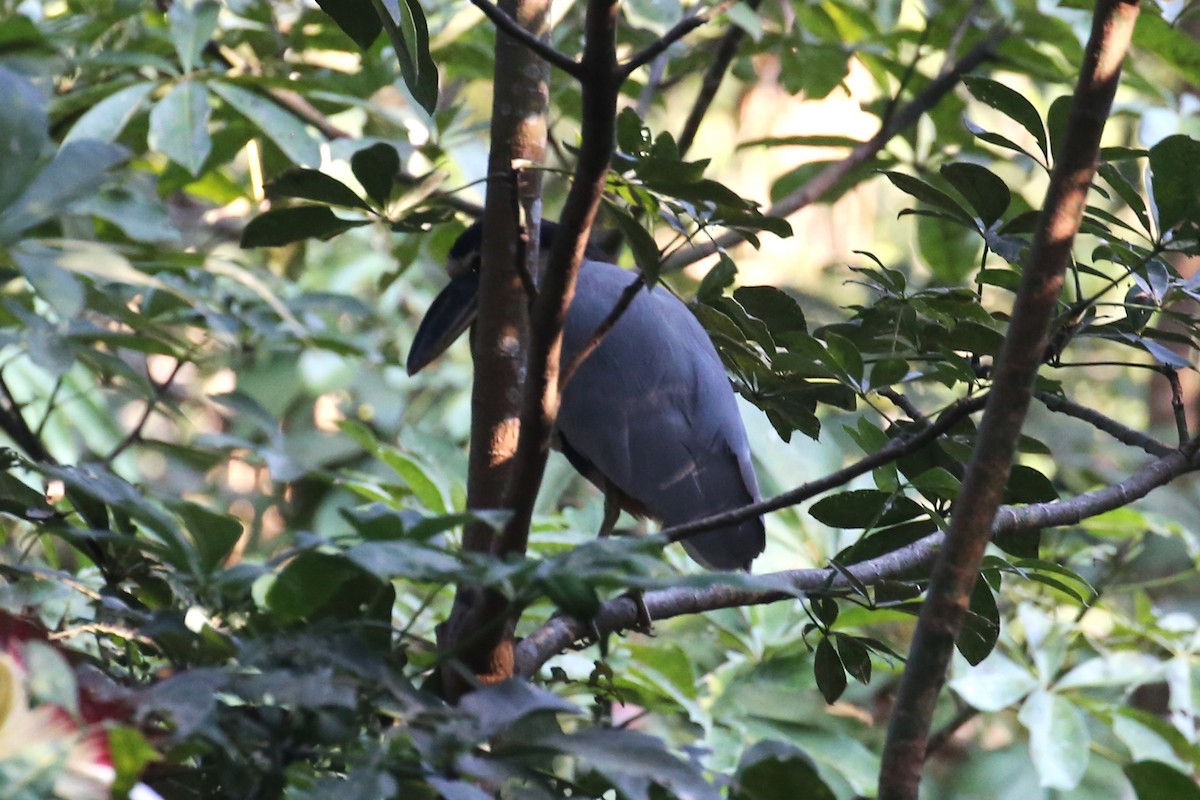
x=649 y=416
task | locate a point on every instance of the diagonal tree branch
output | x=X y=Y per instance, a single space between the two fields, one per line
x=975 y=508
x=510 y=26
x=713 y=78
x=559 y=633
x=1122 y=433
x=600 y=85
x=822 y=182
x=660 y=45
x=894 y=449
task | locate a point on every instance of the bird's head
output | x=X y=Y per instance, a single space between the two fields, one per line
x=454 y=309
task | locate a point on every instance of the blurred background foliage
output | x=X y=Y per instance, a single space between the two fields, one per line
x=228 y=504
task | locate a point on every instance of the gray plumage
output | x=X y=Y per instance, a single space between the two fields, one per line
x=650 y=413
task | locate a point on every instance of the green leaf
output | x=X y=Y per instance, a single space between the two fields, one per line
x=633 y=137
x=310 y=585
x=982 y=188
x=55 y=285
x=948 y=247
x=1173 y=45
x=214 y=533
x=981 y=625
x=746 y=18
x=1154 y=780
x=929 y=194
x=410 y=38
x=423 y=487
x=887 y=372
x=1123 y=668
x=398 y=558
x=717 y=279
x=376 y=168
x=865 y=508
x=1175 y=164
x=996 y=683
x=994 y=138
x=179 y=125
x=357 y=18
x=1057 y=119
x=855 y=657
x=845 y=355
x=105 y=120
x=311 y=184
x=828 y=670
x=1011 y=104
x=573 y=596
x=777 y=309
x=192 y=24
x=130 y=753
x=286 y=225
x=1058 y=739
x=77 y=170
x=24 y=131
x=771 y=770
x=282 y=127
x=641 y=243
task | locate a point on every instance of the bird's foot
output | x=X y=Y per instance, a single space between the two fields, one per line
x=643 y=623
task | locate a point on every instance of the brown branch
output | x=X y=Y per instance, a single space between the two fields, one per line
x=600 y=84
x=902 y=402
x=713 y=77
x=135 y=434
x=518 y=134
x=829 y=177
x=597 y=337
x=1181 y=425
x=559 y=633
x=975 y=509
x=942 y=735
x=1122 y=433
x=896 y=448
x=510 y=26
x=660 y=45
x=13 y=423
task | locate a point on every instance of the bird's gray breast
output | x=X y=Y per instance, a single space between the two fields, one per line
x=652 y=410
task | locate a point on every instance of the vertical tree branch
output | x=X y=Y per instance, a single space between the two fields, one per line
x=600 y=83
x=518 y=133
x=957 y=567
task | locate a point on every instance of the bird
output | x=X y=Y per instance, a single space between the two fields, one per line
x=649 y=416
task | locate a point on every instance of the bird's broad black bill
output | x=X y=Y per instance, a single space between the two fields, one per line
x=452 y=312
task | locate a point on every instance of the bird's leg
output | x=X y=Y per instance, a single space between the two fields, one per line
x=612 y=512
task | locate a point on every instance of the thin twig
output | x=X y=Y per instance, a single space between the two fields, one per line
x=1181 y=424
x=597 y=337
x=135 y=434
x=50 y=401
x=558 y=634
x=512 y=28
x=902 y=402
x=1122 y=433
x=713 y=77
x=660 y=45
x=939 y=738
x=13 y=423
x=896 y=448
x=829 y=177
